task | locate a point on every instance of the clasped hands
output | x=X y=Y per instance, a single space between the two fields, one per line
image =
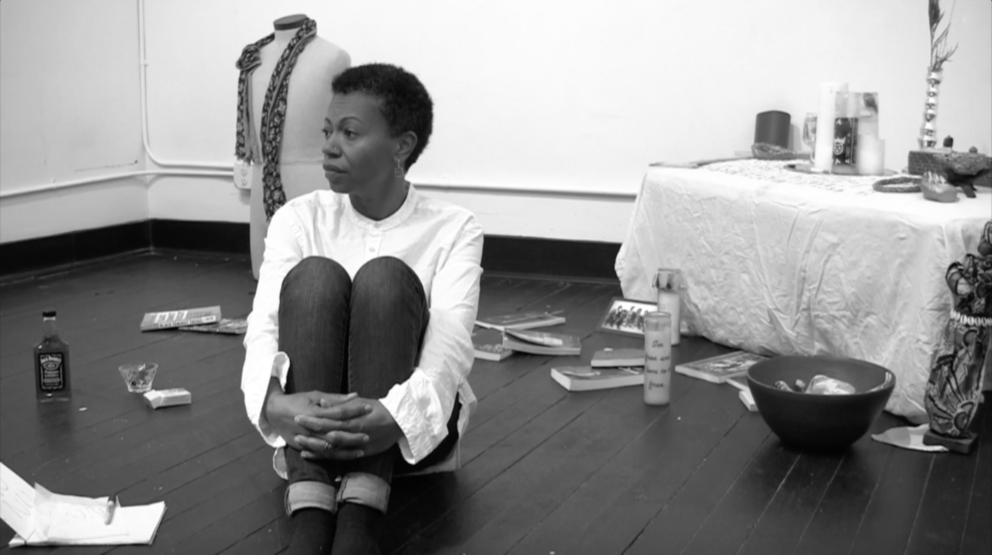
x=332 y=426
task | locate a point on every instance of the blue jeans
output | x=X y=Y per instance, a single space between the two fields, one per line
x=359 y=336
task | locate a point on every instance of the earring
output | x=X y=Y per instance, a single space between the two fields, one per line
x=398 y=170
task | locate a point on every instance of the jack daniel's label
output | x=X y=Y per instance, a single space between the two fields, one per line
x=52 y=375
x=845 y=141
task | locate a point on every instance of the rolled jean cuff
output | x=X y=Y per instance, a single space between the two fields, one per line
x=366 y=489
x=310 y=495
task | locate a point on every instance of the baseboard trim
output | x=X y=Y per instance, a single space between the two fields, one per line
x=550 y=257
x=62 y=251
x=222 y=237
x=503 y=255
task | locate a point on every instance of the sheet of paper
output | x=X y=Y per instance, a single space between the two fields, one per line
x=142 y=522
x=40 y=517
x=16 y=502
x=68 y=518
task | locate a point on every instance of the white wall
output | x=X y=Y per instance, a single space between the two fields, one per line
x=69 y=109
x=572 y=98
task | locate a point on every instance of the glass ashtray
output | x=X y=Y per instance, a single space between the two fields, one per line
x=139 y=377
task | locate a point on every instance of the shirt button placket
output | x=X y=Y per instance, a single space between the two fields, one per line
x=374 y=241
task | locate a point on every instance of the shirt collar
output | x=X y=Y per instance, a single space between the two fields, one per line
x=392 y=221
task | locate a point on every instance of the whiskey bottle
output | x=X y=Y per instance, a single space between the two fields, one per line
x=51 y=364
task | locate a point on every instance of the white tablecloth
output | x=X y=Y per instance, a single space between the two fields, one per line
x=786 y=263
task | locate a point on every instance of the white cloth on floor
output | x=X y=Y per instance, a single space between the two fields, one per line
x=908 y=437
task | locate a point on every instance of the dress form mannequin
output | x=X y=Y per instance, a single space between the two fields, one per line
x=307 y=99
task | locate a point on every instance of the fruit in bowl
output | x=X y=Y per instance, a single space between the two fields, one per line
x=827 y=421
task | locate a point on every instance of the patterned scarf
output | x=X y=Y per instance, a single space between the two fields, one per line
x=273 y=112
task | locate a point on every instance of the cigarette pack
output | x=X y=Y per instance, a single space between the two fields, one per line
x=158 y=398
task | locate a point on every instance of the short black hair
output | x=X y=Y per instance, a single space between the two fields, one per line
x=404 y=101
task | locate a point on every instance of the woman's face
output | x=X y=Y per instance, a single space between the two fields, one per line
x=359 y=154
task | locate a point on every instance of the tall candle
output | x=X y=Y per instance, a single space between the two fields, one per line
x=657 y=359
x=669 y=284
x=823 y=150
x=871 y=155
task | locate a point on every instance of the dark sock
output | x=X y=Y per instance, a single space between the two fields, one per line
x=358 y=530
x=313 y=532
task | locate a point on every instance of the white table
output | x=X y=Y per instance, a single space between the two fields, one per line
x=780 y=262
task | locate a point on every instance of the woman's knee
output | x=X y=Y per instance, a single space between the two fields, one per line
x=383 y=267
x=313 y=279
x=386 y=279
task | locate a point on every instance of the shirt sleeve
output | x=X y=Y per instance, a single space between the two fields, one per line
x=263 y=360
x=423 y=404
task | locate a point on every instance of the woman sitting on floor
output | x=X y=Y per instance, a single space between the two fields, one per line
x=359 y=341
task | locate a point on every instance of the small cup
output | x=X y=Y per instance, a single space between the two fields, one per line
x=139 y=377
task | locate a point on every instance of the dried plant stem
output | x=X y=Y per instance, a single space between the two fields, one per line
x=939 y=51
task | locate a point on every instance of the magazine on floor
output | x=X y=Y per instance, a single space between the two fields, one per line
x=171 y=319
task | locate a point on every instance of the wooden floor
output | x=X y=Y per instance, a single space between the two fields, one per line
x=544 y=471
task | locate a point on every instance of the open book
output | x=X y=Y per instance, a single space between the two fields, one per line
x=40 y=517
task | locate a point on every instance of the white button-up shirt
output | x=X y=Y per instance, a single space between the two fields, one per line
x=441 y=243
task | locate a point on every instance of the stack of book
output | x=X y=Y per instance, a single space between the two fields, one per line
x=489 y=340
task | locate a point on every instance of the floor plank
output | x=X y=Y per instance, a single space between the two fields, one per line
x=889 y=518
x=726 y=528
x=940 y=522
x=674 y=447
x=543 y=470
x=978 y=533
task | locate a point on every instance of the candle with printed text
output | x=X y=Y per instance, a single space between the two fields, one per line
x=658 y=358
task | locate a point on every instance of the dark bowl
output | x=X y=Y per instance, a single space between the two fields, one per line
x=819 y=422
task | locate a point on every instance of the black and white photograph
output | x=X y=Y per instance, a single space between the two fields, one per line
x=626 y=316
x=395 y=268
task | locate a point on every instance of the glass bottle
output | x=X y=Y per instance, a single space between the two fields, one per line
x=51 y=364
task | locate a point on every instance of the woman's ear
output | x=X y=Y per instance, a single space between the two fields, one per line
x=405 y=144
